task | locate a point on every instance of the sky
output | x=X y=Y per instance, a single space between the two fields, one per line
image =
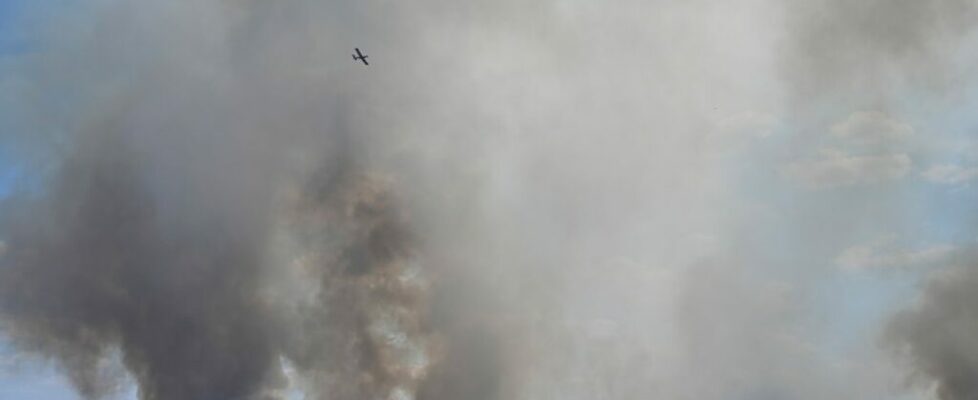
x=22 y=381
x=14 y=385
x=729 y=200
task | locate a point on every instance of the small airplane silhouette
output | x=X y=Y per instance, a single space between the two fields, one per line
x=360 y=56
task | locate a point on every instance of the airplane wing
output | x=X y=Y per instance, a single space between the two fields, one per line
x=364 y=61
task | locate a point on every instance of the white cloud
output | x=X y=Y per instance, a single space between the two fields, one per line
x=883 y=253
x=950 y=174
x=836 y=168
x=871 y=127
x=858 y=156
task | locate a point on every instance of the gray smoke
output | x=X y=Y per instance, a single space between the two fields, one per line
x=214 y=220
x=565 y=199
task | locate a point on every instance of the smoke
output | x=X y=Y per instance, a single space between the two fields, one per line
x=365 y=332
x=149 y=238
x=92 y=266
x=219 y=216
x=872 y=49
x=559 y=200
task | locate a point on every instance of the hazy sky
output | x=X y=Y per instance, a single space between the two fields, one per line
x=563 y=199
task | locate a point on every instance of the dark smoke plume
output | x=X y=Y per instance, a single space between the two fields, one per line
x=939 y=336
x=92 y=266
x=364 y=334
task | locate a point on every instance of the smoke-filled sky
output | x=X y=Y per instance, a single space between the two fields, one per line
x=560 y=199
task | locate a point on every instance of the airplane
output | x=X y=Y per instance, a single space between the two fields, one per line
x=360 y=56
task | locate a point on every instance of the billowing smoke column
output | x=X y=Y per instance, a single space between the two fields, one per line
x=92 y=268
x=568 y=199
x=209 y=222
